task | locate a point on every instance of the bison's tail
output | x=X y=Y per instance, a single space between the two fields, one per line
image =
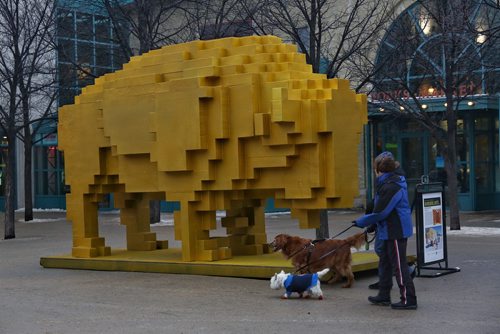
x=357 y=240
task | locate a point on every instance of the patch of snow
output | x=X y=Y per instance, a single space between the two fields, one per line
x=277 y=214
x=109 y=212
x=168 y=220
x=164 y=222
x=474 y=231
x=42 y=210
x=41 y=220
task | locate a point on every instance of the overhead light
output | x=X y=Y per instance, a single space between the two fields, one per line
x=425 y=25
x=481 y=28
x=481 y=38
x=401 y=108
x=381 y=109
x=445 y=104
x=470 y=103
x=424 y=106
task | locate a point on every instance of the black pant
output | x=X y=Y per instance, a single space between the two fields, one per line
x=393 y=261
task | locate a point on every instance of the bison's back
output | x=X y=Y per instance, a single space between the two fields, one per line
x=234 y=114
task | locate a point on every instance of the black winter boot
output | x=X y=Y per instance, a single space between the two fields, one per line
x=380 y=300
x=409 y=305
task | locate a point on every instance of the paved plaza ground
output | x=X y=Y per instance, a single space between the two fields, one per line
x=38 y=300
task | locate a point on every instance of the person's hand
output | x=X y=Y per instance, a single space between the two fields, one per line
x=372 y=228
x=355 y=224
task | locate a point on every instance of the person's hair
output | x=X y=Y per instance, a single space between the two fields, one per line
x=385 y=163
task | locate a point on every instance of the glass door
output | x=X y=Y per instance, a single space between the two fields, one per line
x=486 y=160
x=413 y=161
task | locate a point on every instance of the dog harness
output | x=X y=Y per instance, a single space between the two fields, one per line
x=300 y=283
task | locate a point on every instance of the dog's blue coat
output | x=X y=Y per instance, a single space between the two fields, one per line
x=300 y=283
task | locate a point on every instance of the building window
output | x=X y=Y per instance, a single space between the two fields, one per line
x=412 y=52
x=85 y=50
x=84 y=26
x=49 y=167
x=65 y=23
x=102 y=29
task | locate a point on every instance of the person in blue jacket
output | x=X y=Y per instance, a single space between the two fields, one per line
x=379 y=244
x=392 y=214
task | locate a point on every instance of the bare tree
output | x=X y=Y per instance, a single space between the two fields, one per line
x=150 y=24
x=36 y=87
x=332 y=35
x=24 y=29
x=439 y=46
x=216 y=19
x=140 y=26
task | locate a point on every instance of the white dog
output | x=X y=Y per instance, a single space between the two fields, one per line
x=308 y=283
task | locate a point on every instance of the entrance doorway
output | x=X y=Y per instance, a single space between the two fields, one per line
x=486 y=169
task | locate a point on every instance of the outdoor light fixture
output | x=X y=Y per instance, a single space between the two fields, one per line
x=470 y=103
x=445 y=104
x=431 y=90
x=481 y=37
x=424 y=106
x=381 y=109
x=401 y=108
x=425 y=25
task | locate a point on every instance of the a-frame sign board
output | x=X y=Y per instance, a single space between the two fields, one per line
x=431 y=240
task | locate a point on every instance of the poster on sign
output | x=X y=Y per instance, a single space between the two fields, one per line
x=432 y=209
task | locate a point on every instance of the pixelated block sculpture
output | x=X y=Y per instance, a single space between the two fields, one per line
x=215 y=125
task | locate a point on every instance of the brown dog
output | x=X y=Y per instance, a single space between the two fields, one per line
x=312 y=257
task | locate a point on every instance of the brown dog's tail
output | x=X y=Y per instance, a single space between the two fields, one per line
x=356 y=240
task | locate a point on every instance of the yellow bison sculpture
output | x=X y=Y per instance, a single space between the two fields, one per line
x=215 y=125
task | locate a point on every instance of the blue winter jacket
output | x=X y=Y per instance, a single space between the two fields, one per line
x=391 y=210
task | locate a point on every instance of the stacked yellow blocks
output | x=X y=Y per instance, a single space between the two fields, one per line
x=216 y=125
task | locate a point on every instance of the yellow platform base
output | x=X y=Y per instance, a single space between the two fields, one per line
x=169 y=261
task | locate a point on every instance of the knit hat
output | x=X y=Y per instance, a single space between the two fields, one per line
x=385 y=163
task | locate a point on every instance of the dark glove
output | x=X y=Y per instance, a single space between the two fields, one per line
x=369 y=207
x=355 y=224
x=372 y=228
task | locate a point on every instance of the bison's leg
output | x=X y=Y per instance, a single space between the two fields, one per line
x=246 y=229
x=193 y=226
x=82 y=211
x=134 y=214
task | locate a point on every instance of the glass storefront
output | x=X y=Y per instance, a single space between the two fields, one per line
x=48 y=168
x=413 y=85
x=420 y=154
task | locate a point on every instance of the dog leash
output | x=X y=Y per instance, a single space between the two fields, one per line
x=336 y=235
x=309 y=245
x=326 y=254
x=313 y=242
x=320 y=258
x=368 y=242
